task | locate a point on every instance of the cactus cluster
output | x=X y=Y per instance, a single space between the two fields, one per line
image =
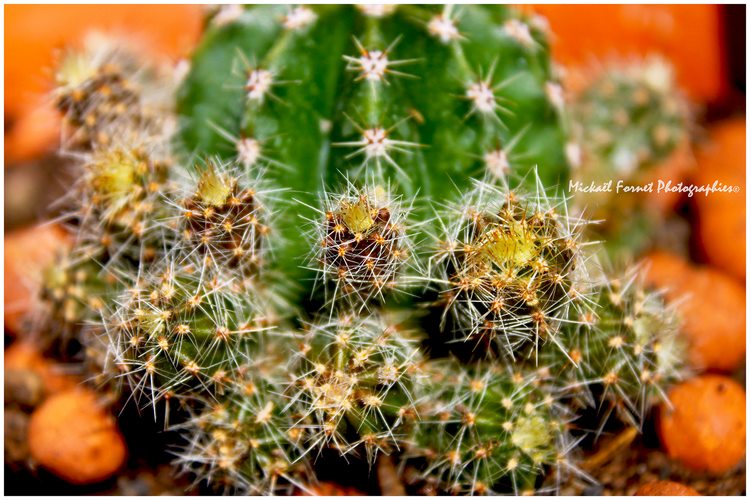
x=418 y=147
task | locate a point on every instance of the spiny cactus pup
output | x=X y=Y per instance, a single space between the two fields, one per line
x=511 y=268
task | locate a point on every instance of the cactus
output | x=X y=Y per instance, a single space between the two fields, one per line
x=109 y=87
x=417 y=95
x=632 y=116
x=628 y=120
x=177 y=334
x=512 y=269
x=485 y=430
x=362 y=245
x=224 y=222
x=355 y=384
x=279 y=349
x=72 y=294
x=246 y=444
x=625 y=349
x=120 y=199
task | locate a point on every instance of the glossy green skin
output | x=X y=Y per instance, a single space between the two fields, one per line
x=320 y=88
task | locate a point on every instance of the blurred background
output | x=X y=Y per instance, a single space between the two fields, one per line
x=704 y=43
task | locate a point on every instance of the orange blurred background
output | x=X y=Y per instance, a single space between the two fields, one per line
x=705 y=43
x=691 y=36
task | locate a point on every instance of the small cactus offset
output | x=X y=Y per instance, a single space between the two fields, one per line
x=352 y=194
x=246 y=443
x=630 y=123
x=362 y=245
x=356 y=384
x=512 y=268
x=178 y=333
x=223 y=221
x=625 y=349
x=632 y=116
x=121 y=204
x=485 y=430
x=108 y=88
x=70 y=294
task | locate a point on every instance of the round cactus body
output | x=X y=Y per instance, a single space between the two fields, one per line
x=355 y=384
x=623 y=352
x=632 y=116
x=631 y=124
x=246 y=444
x=362 y=246
x=225 y=217
x=485 y=430
x=175 y=334
x=108 y=87
x=511 y=265
x=73 y=293
x=121 y=199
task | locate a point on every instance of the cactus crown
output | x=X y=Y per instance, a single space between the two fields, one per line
x=512 y=265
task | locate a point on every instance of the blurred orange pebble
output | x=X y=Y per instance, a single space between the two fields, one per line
x=665 y=489
x=664 y=269
x=721 y=216
x=24 y=356
x=705 y=426
x=74 y=437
